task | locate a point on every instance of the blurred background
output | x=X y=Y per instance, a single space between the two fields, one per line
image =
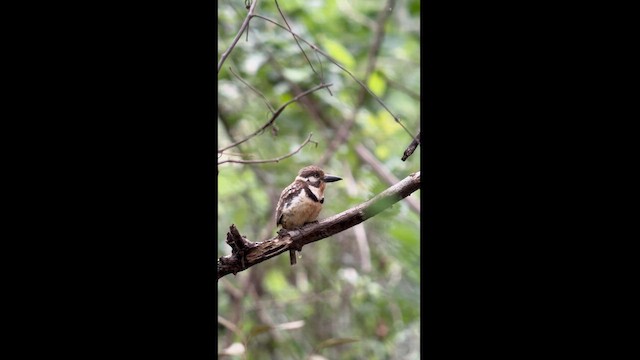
x=356 y=294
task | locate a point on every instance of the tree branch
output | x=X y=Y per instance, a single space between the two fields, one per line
x=365 y=155
x=271 y=160
x=245 y=254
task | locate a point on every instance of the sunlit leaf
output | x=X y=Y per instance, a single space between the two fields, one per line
x=275 y=281
x=337 y=51
x=296 y=75
x=290 y=325
x=317 y=357
x=408 y=237
x=253 y=62
x=382 y=152
x=234 y=349
x=377 y=84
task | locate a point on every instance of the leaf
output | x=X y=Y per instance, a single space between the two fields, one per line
x=257 y=330
x=316 y=357
x=290 y=325
x=275 y=281
x=408 y=237
x=296 y=75
x=336 y=341
x=233 y=349
x=253 y=62
x=338 y=52
x=377 y=84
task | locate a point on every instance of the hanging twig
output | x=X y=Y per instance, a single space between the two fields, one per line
x=254 y=90
x=271 y=160
x=412 y=147
x=296 y=40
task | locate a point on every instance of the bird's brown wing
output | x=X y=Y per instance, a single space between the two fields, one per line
x=279 y=210
x=285 y=195
x=281 y=205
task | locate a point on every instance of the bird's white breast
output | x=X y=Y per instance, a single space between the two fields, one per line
x=302 y=209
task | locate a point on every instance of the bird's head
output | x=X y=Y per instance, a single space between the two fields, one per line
x=314 y=176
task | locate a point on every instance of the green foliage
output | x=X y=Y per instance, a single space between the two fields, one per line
x=377 y=83
x=354 y=295
x=337 y=51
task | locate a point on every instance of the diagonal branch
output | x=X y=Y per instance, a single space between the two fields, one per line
x=383 y=173
x=275 y=116
x=250 y=254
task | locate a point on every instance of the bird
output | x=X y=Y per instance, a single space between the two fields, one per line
x=300 y=202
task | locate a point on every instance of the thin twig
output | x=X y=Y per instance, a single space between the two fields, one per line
x=275 y=116
x=271 y=160
x=322 y=71
x=244 y=26
x=254 y=90
x=229 y=154
x=401 y=87
x=296 y=40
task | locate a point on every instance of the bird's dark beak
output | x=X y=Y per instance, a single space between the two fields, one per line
x=331 y=178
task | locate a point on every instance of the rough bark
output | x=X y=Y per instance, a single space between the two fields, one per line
x=246 y=253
